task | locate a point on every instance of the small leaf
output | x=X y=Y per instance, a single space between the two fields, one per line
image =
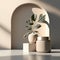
x=30 y=23
x=29 y=28
x=26 y=34
x=26 y=26
x=33 y=17
x=41 y=18
x=37 y=26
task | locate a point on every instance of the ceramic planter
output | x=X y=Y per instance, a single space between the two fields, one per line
x=32 y=38
x=43 y=45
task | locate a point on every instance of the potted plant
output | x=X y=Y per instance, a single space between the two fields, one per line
x=32 y=25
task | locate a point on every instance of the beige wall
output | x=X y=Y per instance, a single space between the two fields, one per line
x=18 y=23
x=7 y=8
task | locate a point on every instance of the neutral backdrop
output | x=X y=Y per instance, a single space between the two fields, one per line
x=7 y=8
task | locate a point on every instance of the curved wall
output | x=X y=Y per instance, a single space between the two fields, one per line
x=7 y=7
x=19 y=17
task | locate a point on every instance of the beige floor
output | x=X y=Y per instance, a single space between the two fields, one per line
x=19 y=55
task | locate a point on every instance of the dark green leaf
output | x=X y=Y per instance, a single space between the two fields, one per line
x=37 y=26
x=33 y=17
x=30 y=23
x=29 y=28
x=41 y=18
